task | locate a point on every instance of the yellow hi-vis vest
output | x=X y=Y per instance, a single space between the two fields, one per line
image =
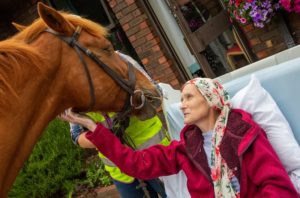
x=143 y=134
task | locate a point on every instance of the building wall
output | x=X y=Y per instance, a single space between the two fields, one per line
x=265 y=41
x=269 y=40
x=136 y=24
x=146 y=41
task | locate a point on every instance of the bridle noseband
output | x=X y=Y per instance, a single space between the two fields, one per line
x=127 y=85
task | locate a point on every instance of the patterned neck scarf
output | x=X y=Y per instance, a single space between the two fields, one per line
x=217 y=98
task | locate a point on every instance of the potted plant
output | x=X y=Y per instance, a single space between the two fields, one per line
x=258 y=12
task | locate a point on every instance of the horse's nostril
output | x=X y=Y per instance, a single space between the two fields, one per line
x=157 y=103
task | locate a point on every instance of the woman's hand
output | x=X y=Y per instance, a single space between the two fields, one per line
x=70 y=116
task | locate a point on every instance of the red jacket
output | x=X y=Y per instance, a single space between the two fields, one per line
x=244 y=147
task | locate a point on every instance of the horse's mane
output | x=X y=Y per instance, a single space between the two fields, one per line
x=15 y=58
x=37 y=27
x=16 y=55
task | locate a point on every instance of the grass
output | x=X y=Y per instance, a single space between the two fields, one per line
x=56 y=166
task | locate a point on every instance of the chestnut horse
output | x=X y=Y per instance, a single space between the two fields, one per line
x=41 y=76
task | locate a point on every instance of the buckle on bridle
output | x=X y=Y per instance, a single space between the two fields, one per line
x=143 y=98
x=75 y=36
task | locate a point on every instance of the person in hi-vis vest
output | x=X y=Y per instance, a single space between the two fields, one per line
x=142 y=135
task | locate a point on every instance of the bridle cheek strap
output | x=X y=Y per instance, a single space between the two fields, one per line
x=128 y=86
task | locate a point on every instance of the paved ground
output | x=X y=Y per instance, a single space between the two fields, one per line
x=107 y=192
x=103 y=192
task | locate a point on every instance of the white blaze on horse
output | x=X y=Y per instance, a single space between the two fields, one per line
x=60 y=61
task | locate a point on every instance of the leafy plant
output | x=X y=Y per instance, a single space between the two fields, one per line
x=56 y=167
x=96 y=175
x=258 y=12
x=53 y=164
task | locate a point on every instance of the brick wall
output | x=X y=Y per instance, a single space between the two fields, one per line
x=265 y=41
x=145 y=41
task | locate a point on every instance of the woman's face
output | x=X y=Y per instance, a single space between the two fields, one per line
x=193 y=105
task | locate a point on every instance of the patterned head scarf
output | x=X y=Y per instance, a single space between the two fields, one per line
x=217 y=98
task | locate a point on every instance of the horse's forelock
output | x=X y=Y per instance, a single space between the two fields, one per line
x=88 y=25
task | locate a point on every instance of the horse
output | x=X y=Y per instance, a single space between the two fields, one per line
x=42 y=74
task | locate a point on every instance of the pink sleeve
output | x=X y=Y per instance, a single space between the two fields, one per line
x=149 y=163
x=266 y=171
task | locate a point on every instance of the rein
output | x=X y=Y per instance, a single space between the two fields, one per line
x=128 y=86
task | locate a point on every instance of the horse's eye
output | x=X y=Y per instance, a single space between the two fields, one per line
x=107 y=49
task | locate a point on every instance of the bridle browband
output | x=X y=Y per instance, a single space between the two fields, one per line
x=127 y=85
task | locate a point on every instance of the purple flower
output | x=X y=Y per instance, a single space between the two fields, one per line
x=247 y=5
x=259 y=12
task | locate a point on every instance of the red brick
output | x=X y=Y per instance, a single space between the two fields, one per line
x=137 y=20
x=125 y=26
x=129 y=9
x=132 y=30
x=119 y=7
x=136 y=13
x=248 y=28
x=139 y=42
x=162 y=60
x=145 y=61
x=261 y=54
x=119 y=15
x=143 y=32
x=112 y=3
x=149 y=44
x=156 y=48
x=143 y=24
x=126 y=19
x=254 y=41
x=132 y=38
x=129 y=2
x=149 y=36
x=168 y=71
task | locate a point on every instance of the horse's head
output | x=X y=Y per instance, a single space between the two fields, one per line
x=88 y=76
x=87 y=58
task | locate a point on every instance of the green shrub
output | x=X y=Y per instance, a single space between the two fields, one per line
x=57 y=167
x=52 y=167
x=96 y=175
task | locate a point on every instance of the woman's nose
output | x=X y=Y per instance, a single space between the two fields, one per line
x=182 y=105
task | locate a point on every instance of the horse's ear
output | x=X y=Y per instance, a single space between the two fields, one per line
x=19 y=27
x=55 y=20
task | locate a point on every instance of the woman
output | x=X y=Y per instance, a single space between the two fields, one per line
x=222 y=151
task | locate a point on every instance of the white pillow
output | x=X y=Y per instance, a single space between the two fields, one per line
x=254 y=99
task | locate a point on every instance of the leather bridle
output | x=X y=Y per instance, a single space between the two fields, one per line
x=127 y=85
